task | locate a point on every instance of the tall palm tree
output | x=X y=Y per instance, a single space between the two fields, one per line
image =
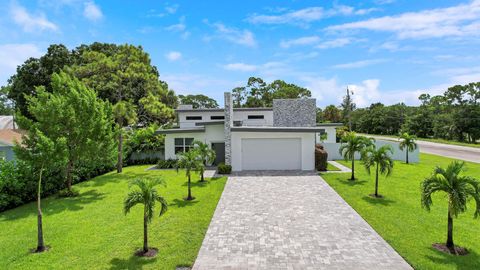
x=146 y=194
x=380 y=159
x=190 y=161
x=408 y=143
x=459 y=190
x=351 y=144
x=207 y=155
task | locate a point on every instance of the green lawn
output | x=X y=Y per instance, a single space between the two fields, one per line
x=91 y=231
x=400 y=219
x=476 y=145
x=331 y=167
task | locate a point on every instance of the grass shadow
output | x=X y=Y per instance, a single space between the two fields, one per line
x=353 y=182
x=469 y=261
x=378 y=201
x=182 y=203
x=134 y=262
x=196 y=184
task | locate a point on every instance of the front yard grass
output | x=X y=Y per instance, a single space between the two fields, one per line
x=400 y=219
x=91 y=231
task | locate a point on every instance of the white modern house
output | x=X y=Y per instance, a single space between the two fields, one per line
x=279 y=138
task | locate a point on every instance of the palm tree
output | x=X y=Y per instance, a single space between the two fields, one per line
x=408 y=143
x=147 y=195
x=190 y=161
x=125 y=114
x=207 y=155
x=380 y=159
x=459 y=190
x=351 y=144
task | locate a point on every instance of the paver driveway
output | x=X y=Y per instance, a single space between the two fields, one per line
x=290 y=222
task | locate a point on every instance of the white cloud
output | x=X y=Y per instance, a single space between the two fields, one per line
x=309 y=40
x=92 y=12
x=180 y=27
x=171 y=9
x=173 y=56
x=360 y=64
x=334 y=43
x=31 y=22
x=240 y=67
x=234 y=35
x=455 y=21
x=13 y=55
x=366 y=92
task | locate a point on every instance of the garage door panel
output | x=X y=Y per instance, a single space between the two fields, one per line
x=271 y=154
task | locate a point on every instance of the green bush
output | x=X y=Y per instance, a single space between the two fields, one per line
x=166 y=164
x=10 y=187
x=224 y=169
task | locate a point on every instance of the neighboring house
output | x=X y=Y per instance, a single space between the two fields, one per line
x=7 y=122
x=8 y=137
x=279 y=138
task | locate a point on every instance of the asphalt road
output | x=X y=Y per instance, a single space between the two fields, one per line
x=446 y=150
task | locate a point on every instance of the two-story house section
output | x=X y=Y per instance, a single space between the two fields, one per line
x=279 y=138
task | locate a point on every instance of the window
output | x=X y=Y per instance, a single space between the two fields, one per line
x=194 y=118
x=217 y=117
x=183 y=144
x=255 y=116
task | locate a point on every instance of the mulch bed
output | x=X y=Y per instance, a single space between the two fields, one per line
x=152 y=252
x=460 y=251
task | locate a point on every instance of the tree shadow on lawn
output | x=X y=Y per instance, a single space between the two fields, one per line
x=352 y=182
x=378 y=201
x=182 y=203
x=134 y=262
x=53 y=205
x=196 y=184
x=114 y=177
x=467 y=262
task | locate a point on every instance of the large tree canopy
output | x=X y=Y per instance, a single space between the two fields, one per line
x=198 y=101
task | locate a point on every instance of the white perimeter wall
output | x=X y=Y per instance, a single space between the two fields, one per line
x=307 y=145
x=331 y=135
x=333 y=154
x=212 y=134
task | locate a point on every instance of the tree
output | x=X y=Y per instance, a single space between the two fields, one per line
x=351 y=144
x=198 y=101
x=458 y=188
x=40 y=152
x=207 y=155
x=332 y=114
x=380 y=159
x=191 y=162
x=238 y=95
x=146 y=194
x=124 y=114
x=319 y=115
x=408 y=143
x=348 y=106
x=256 y=88
x=72 y=112
x=6 y=106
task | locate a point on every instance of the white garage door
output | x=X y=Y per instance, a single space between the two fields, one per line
x=271 y=154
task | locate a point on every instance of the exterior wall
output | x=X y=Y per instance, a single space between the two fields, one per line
x=414 y=157
x=184 y=123
x=212 y=134
x=243 y=116
x=331 y=135
x=307 y=145
x=294 y=112
x=8 y=150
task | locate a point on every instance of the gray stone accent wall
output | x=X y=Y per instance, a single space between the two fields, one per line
x=228 y=126
x=294 y=112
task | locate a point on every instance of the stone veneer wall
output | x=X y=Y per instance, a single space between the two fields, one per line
x=294 y=112
x=228 y=126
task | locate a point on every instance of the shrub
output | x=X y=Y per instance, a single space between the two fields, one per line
x=321 y=157
x=224 y=169
x=166 y=164
x=10 y=188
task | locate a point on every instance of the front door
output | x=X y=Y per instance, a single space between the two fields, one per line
x=219 y=149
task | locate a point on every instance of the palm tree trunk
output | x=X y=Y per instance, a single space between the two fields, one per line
x=450 y=244
x=353 y=169
x=189 y=197
x=145 y=233
x=406 y=153
x=40 y=243
x=120 y=152
x=376 y=182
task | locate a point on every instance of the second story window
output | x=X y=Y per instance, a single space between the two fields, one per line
x=194 y=118
x=256 y=116
x=217 y=117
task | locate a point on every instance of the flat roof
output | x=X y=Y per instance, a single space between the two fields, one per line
x=220 y=122
x=277 y=129
x=222 y=109
x=180 y=130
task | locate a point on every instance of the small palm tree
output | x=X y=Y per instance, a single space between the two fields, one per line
x=190 y=161
x=145 y=194
x=351 y=144
x=207 y=155
x=459 y=190
x=408 y=143
x=380 y=159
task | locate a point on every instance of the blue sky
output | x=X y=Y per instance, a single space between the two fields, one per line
x=384 y=50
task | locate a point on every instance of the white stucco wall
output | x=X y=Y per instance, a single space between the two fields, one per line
x=414 y=157
x=331 y=135
x=212 y=134
x=243 y=116
x=184 y=123
x=307 y=146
